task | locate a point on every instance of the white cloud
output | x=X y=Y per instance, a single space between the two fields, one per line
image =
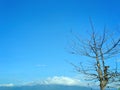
x=62 y=81
x=59 y=80
x=41 y=65
x=7 y=85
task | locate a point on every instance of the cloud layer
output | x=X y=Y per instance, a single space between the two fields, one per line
x=56 y=80
x=59 y=80
x=7 y=85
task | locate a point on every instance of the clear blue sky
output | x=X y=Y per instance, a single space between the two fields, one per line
x=34 y=34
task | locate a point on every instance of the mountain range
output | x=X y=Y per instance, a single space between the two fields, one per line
x=46 y=87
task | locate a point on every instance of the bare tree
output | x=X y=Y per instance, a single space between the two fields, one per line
x=101 y=48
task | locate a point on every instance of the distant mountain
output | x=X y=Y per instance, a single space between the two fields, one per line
x=46 y=87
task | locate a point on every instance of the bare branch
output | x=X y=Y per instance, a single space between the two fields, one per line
x=99 y=48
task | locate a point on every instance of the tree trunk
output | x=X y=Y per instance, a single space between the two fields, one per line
x=102 y=88
x=103 y=85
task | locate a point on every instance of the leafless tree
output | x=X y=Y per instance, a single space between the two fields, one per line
x=101 y=47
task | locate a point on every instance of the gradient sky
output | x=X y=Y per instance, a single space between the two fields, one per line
x=35 y=33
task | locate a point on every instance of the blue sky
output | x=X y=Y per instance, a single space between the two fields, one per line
x=35 y=33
